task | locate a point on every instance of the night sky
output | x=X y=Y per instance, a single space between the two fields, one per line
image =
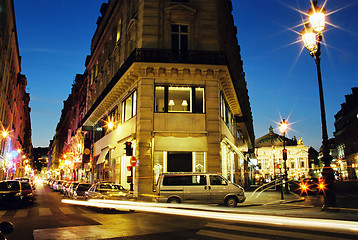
x=55 y=36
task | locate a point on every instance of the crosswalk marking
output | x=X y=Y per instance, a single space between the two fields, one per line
x=21 y=213
x=66 y=210
x=268 y=231
x=44 y=211
x=226 y=235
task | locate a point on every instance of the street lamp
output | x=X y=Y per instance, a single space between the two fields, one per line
x=283 y=127
x=5 y=134
x=273 y=161
x=312 y=37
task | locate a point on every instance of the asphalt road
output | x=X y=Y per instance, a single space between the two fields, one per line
x=48 y=218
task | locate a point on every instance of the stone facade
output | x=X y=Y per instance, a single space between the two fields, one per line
x=14 y=100
x=169 y=75
x=346 y=135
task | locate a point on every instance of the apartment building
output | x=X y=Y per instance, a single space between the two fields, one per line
x=165 y=78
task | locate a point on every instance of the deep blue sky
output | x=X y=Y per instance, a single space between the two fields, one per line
x=55 y=36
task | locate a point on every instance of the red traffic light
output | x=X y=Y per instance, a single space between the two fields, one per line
x=128 y=148
x=284 y=152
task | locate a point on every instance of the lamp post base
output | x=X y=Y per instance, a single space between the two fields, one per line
x=329 y=195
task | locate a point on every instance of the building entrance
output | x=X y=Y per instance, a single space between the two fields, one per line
x=180 y=162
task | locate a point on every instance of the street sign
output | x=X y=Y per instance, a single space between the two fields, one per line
x=133 y=161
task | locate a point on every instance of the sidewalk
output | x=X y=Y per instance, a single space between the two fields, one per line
x=270 y=197
x=293 y=205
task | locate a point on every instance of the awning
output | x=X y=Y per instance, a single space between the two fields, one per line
x=102 y=156
x=236 y=149
x=190 y=144
x=118 y=151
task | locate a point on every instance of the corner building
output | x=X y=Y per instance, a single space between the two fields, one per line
x=169 y=75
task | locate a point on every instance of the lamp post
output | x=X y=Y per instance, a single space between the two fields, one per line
x=312 y=37
x=283 y=127
x=273 y=161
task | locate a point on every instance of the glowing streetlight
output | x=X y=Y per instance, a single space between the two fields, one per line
x=110 y=125
x=312 y=37
x=5 y=134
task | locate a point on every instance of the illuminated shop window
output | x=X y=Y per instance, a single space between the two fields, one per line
x=179 y=99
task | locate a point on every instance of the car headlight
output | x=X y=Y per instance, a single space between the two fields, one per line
x=18 y=194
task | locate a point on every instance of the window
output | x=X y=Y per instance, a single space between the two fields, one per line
x=185 y=180
x=129 y=107
x=179 y=99
x=199 y=100
x=180 y=38
x=226 y=114
x=119 y=28
x=217 y=180
x=99 y=129
x=159 y=99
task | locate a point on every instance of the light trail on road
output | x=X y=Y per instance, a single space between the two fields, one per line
x=335 y=226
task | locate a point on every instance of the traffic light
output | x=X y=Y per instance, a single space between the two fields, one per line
x=284 y=151
x=128 y=148
x=86 y=151
x=279 y=166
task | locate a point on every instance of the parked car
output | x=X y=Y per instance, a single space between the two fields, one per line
x=64 y=187
x=57 y=184
x=69 y=190
x=198 y=188
x=10 y=193
x=25 y=179
x=103 y=190
x=27 y=193
x=80 y=190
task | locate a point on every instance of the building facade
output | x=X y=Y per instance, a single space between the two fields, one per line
x=270 y=163
x=346 y=136
x=165 y=77
x=15 y=124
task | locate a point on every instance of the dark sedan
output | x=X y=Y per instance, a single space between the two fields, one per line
x=10 y=193
x=80 y=190
x=107 y=191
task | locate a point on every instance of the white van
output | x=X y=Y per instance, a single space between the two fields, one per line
x=198 y=188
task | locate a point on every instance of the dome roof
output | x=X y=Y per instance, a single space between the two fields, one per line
x=273 y=139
